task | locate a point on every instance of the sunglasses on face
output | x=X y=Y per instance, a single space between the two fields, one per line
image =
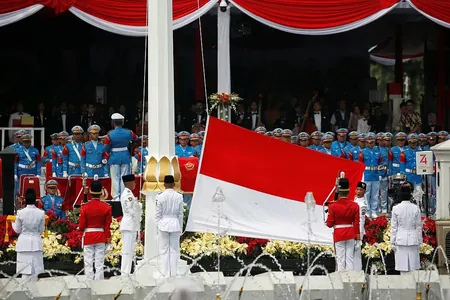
x=52 y=187
x=183 y=139
x=371 y=142
x=327 y=142
x=401 y=140
x=78 y=133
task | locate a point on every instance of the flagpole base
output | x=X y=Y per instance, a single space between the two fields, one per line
x=153 y=268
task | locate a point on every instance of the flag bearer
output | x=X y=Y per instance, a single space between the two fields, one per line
x=94 y=159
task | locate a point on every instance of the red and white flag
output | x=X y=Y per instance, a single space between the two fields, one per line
x=264 y=182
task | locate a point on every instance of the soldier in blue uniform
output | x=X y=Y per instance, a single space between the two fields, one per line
x=94 y=159
x=286 y=135
x=28 y=160
x=57 y=156
x=383 y=173
x=194 y=139
x=442 y=135
x=316 y=138
x=140 y=153
x=303 y=139
x=117 y=142
x=410 y=156
x=326 y=143
x=48 y=151
x=353 y=142
x=388 y=140
x=338 y=146
x=397 y=155
x=72 y=153
x=17 y=139
x=260 y=130
x=330 y=133
x=277 y=133
x=269 y=134
x=379 y=141
x=423 y=142
x=294 y=139
x=355 y=154
x=183 y=149
x=371 y=158
x=52 y=201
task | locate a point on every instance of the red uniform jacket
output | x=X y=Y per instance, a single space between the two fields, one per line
x=95 y=214
x=344 y=212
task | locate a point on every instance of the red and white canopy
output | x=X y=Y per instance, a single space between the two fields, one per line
x=118 y=16
x=437 y=11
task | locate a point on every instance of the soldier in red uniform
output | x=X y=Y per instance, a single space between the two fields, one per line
x=95 y=221
x=343 y=216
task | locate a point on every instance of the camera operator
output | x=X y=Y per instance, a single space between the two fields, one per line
x=406 y=231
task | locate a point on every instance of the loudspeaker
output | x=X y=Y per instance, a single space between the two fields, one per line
x=116 y=208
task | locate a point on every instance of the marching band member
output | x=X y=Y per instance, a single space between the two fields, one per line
x=95 y=220
x=397 y=154
x=326 y=144
x=117 y=142
x=169 y=220
x=48 y=151
x=410 y=160
x=316 y=137
x=183 y=149
x=140 y=153
x=71 y=153
x=94 y=158
x=28 y=160
x=29 y=224
x=360 y=199
x=130 y=224
x=343 y=216
x=371 y=158
x=383 y=169
x=338 y=146
x=57 y=156
x=52 y=201
x=406 y=232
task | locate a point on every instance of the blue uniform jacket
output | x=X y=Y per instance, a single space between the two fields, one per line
x=140 y=154
x=57 y=161
x=347 y=150
x=117 y=142
x=198 y=150
x=56 y=206
x=28 y=161
x=372 y=158
x=326 y=151
x=410 y=165
x=187 y=151
x=94 y=157
x=47 y=156
x=384 y=163
x=316 y=148
x=72 y=158
x=397 y=160
x=353 y=154
x=337 y=148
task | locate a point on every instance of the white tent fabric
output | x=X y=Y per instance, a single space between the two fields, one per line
x=14 y=16
x=324 y=31
x=138 y=30
x=386 y=61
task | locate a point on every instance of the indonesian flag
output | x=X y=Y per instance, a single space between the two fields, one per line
x=264 y=182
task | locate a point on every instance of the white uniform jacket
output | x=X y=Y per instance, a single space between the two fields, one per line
x=362 y=202
x=132 y=211
x=29 y=224
x=406 y=225
x=169 y=211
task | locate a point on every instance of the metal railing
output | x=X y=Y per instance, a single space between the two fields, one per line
x=5 y=137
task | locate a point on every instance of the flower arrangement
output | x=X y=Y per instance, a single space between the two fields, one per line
x=221 y=102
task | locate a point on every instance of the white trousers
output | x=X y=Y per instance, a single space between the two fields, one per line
x=345 y=253
x=357 y=260
x=117 y=171
x=94 y=253
x=128 y=250
x=169 y=251
x=30 y=278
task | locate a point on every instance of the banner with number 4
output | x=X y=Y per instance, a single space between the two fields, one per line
x=424 y=163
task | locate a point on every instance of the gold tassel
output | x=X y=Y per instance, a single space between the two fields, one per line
x=218 y=297
x=117 y=295
x=46 y=228
x=9 y=219
x=58 y=296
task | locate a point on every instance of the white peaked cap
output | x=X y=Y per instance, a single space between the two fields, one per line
x=116 y=116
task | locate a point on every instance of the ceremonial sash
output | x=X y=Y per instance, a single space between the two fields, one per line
x=76 y=151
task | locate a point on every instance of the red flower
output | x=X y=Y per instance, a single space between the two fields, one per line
x=429 y=225
x=253 y=244
x=118 y=219
x=430 y=240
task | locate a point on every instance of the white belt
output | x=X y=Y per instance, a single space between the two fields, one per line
x=170 y=217
x=119 y=149
x=371 y=168
x=343 y=226
x=94 y=166
x=27 y=166
x=396 y=165
x=410 y=171
x=94 y=230
x=73 y=164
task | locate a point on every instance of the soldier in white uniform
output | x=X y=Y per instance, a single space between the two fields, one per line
x=406 y=232
x=360 y=199
x=130 y=224
x=29 y=224
x=169 y=220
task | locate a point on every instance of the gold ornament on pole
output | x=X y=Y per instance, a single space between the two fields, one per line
x=156 y=170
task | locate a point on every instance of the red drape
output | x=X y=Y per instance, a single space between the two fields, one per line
x=189 y=170
x=439 y=9
x=314 y=14
x=124 y=12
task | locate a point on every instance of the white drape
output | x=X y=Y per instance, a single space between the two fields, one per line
x=440 y=22
x=223 y=54
x=386 y=61
x=324 y=31
x=14 y=16
x=138 y=30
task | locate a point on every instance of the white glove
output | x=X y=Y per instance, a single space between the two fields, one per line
x=108 y=248
x=394 y=247
x=53 y=174
x=16 y=178
x=85 y=174
x=106 y=176
x=358 y=245
x=65 y=175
